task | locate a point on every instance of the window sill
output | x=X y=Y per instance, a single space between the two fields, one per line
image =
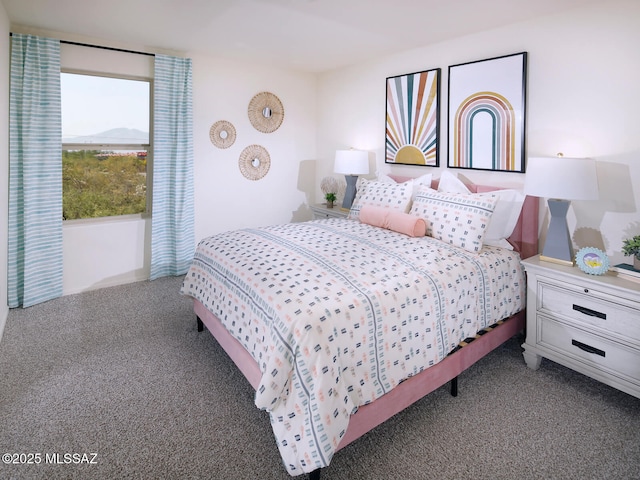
x=103 y=220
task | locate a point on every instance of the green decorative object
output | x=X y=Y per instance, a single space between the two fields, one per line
x=330 y=198
x=631 y=247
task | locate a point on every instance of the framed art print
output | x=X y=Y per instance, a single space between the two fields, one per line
x=592 y=261
x=412 y=119
x=486 y=116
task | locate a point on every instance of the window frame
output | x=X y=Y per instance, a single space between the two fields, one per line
x=119 y=146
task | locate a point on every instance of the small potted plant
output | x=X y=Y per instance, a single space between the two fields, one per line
x=631 y=247
x=329 y=187
x=330 y=198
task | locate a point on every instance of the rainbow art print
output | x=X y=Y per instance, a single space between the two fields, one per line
x=412 y=125
x=486 y=128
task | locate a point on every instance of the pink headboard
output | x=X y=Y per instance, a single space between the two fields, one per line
x=525 y=234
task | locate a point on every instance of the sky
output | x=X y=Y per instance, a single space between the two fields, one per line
x=92 y=104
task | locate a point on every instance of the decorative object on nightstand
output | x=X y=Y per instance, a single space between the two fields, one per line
x=631 y=248
x=592 y=261
x=329 y=187
x=588 y=323
x=560 y=180
x=351 y=163
x=626 y=272
x=330 y=198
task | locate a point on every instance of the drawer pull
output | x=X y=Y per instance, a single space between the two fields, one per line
x=588 y=311
x=588 y=348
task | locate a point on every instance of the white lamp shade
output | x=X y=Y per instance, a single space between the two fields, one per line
x=351 y=162
x=561 y=177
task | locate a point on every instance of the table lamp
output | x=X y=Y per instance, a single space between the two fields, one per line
x=351 y=163
x=560 y=180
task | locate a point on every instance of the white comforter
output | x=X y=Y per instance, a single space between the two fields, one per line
x=337 y=313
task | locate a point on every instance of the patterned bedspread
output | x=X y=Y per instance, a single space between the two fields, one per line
x=337 y=313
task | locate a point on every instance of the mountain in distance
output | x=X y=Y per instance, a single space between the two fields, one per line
x=115 y=135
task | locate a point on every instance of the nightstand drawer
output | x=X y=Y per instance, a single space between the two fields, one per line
x=618 y=360
x=322 y=215
x=592 y=307
x=320 y=211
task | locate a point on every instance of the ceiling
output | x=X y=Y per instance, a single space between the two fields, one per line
x=305 y=35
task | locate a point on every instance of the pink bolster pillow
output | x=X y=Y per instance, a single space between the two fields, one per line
x=393 y=220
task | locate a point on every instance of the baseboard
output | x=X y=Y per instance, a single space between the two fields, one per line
x=139 y=276
x=4 y=315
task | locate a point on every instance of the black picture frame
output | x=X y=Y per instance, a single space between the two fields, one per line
x=487 y=114
x=412 y=128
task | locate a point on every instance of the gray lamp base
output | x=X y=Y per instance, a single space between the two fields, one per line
x=558 y=247
x=350 y=192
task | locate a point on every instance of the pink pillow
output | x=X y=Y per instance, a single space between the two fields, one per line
x=393 y=220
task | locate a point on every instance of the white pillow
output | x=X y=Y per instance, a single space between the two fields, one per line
x=396 y=196
x=504 y=218
x=451 y=183
x=421 y=180
x=384 y=178
x=455 y=218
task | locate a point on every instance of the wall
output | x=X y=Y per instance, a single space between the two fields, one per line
x=4 y=163
x=225 y=199
x=582 y=100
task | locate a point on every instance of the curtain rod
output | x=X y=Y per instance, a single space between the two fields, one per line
x=107 y=48
x=102 y=47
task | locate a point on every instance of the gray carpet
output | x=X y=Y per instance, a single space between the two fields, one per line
x=123 y=374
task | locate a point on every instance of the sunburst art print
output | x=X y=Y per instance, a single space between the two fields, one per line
x=412 y=126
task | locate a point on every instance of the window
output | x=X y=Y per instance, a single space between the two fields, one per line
x=105 y=145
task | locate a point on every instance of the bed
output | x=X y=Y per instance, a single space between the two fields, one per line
x=339 y=324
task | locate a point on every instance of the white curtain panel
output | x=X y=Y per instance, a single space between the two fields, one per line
x=172 y=214
x=35 y=172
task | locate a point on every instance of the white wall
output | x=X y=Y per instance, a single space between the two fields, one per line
x=4 y=163
x=582 y=100
x=225 y=199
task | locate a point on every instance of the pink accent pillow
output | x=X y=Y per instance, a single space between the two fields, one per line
x=393 y=220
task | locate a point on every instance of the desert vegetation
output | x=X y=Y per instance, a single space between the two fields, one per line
x=103 y=183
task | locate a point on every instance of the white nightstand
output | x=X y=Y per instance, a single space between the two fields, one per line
x=320 y=211
x=588 y=323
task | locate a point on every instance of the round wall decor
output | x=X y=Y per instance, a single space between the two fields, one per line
x=266 y=112
x=254 y=162
x=222 y=134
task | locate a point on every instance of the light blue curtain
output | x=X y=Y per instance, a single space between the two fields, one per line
x=172 y=215
x=35 y=172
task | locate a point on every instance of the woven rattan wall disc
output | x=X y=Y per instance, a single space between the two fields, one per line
x=222 y=134
x=266 y=112
x=254 y=162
